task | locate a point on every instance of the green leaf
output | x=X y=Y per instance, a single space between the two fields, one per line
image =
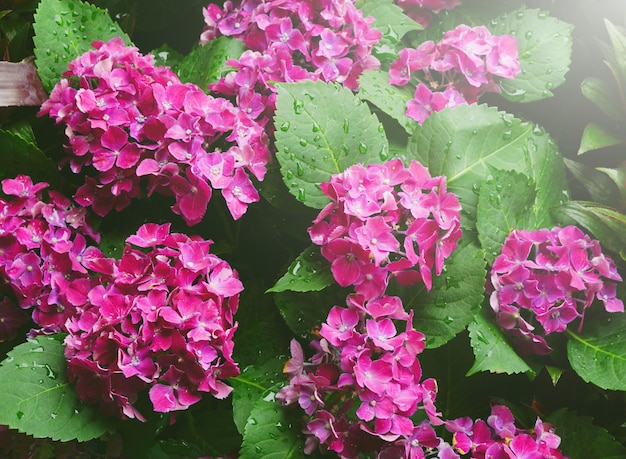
x=606 y=224
x=466 y=142
x=454 y=299
x=582 y=439
x=272 y=431
x=505 y=202
x=555 y=374
x=491 y=350
x=250 y=385
x=65 y=29
x=20 y=156
x=166 y=56
x=390 y=18
x=617 y=35
x=545 y=49
x=596 y=137
x=599 y=183
x=605 y=98
x=37 y=399
x=322 y=129
x=309 y=272
x=598 y=353
x=374 y=87
x=305 y=311
x=207 y=64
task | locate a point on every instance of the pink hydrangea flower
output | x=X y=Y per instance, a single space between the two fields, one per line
x=384 y=221
x=465 y=63
x=139 y=128
x=42 y=241
x=545 y=279
x=159 y=319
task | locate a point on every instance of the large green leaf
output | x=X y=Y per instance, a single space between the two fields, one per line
x=454 y=299
x=390 y=19
x=617 y=35
x=596 y=137
x=322 y=129
x=65 y=29
x=582 y=439
x=272 y=431
x=505 y=202
x=375 y=88
x=18 y=155
x=604 y=97
x=207 y=64
x=491 y=350
x=465 y=143
x=598 y=353
x=305 y=311
x=545 y=49
x=36 y=397
x=250 y=385
x=599 y=183
x=309 y=272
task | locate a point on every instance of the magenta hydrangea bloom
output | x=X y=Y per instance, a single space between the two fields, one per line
x=465 y=63
x=545 y=279
x=42 y=242
x=287 y=42
x=374 y=366
x=386 y=221
x=499 y=437
x=159 y=319
x=136 y=128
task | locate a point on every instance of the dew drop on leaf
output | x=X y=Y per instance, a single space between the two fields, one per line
x=481 y=337
x=285 y=126
x=346 y=126
x=362 y=148
x=298 y=106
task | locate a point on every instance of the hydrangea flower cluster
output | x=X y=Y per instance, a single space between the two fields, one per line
x=465 y=63
x=287 y=42
x=128 y=119
x=421 y=11
x=383 y=221
x=545 y=279
x=160 y=317
x=42 y=243
x=363 y=384
x=500 y=438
